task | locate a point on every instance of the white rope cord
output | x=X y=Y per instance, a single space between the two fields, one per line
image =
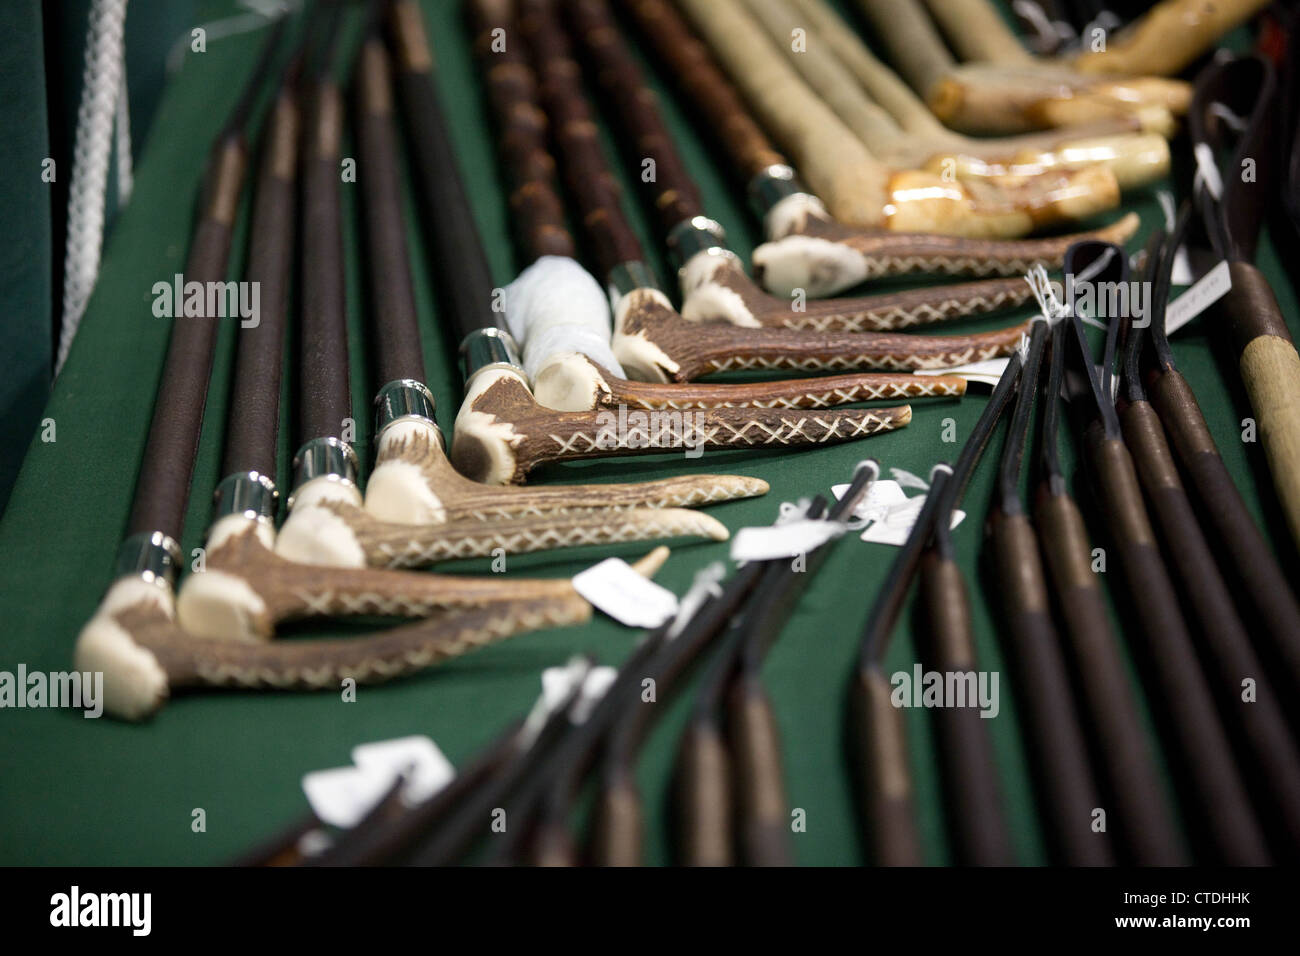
x=125 y=163
x=101 y=90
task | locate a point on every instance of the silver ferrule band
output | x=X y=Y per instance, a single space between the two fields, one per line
x=628 y=277
x=248 y=493
x=403 y=399
x=487 y=348
x=330 y=458
x=692 y=236
x=150 y=555
x=773 y=184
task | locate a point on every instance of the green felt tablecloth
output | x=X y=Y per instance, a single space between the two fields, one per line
x=76 y=791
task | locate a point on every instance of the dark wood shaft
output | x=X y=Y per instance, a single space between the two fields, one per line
x=1147 y=835
x=259 y=358
x=886 y=800
x=392 y=296
x=704 y=797
x=1219 y=795
x=633 y=105
x=326 y=396
x=1230 y=657
x=585 y=168
x=1248 y=558
x=455 y=247
x=973 y=794
x=163 y=486
x=704 y=85
x=535 y=203
x=1068 y=794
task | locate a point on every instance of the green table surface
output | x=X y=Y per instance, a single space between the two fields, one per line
x=76 y=791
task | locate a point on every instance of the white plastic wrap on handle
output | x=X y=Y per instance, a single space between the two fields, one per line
x=555 y=307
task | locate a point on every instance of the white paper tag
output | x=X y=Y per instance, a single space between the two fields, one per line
x=1183 y=273
x=987 y=372
x=427 y=768
x=1212 y=287
x=614 y=587
x=890 y=512
x=783 y=540
x=342 y=796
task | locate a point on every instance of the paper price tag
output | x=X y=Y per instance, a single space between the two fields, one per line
x=987 y=372
x=890 y=513
x=1211 y=287
x=342 y=796
x=428 y=769
x=614 y=587
x=783 y=540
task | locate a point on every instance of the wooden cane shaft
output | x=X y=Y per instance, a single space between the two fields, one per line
x=399 y=352
x=704 y=798
x=617 y=839
x=1231 y=657
x=977 y=31
x=326 y=396
x=704 y=84
x=586 y=170
x=163 y=484
x=1249 y=557
x=259 y=359
x=455 y=246
x=535 y=202
x=1186 y=695
x=672 y=191
x=1147 y=834
x=1069 y=793
x=886 y=803
x=764 y=816
x=972 y=793
x=913 y=42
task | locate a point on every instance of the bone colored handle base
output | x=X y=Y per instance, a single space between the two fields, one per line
x=1270 y=368
x=823 y=256
x=1169 y=37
